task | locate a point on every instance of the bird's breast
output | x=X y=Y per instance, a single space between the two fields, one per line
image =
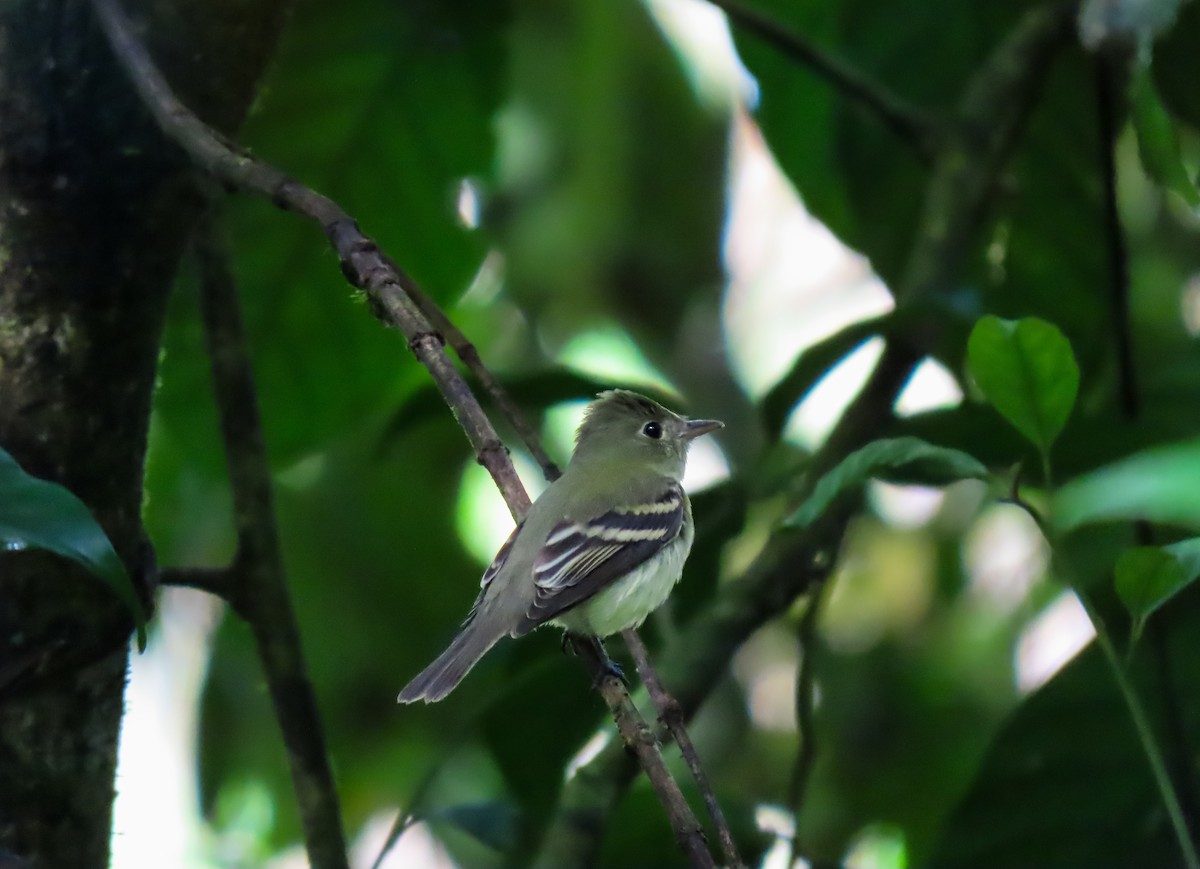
x=627 y=602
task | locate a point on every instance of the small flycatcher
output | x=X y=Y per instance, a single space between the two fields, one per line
x=600 y=549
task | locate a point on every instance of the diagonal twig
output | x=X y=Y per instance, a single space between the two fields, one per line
x=261 y=593
x=385 y=285
x=670 y=713
x=469 y=354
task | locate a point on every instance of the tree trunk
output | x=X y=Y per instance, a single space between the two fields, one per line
x=95 y=209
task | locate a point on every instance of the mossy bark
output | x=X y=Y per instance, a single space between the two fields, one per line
x=95 y=210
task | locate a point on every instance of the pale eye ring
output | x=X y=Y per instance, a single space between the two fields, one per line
x=652 y=430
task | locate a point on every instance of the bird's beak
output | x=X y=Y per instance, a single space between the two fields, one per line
x=696 y=427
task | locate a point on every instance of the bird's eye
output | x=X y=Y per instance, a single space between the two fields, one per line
x=652 y=430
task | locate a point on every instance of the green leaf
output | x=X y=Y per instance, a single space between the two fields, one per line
x=495 y=824
x=38 y=514
x=1158 y=141
x=1187 y=553
x=1146 y=577
x=1157 y=484
x=1027 y=371
x=901 y=460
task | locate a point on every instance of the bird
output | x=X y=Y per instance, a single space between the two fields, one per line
x=599 y=550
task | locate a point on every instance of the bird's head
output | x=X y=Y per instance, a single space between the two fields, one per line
x=622 y=426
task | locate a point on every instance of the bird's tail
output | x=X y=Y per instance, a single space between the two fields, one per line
x=440 y=678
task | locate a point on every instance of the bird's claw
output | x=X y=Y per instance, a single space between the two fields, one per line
x=608 y=667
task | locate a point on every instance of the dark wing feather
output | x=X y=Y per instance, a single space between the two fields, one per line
x=493 y=569
x=501 y=557
x=579 y=559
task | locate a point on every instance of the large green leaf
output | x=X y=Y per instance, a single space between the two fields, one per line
x=1145 y=577
x=38 y=514
x=1158 y=484
x=1027 y=371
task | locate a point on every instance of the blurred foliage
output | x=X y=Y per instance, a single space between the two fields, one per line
x=601 y=175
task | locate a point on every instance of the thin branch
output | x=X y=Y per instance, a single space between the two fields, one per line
x=806 y=734
x=638 y=736
x=467 y=352
x=909 y=123
x=1107 y=94
x=262 y=594
x=670 y=713
x=386 y=286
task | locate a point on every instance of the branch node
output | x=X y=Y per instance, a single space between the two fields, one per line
x=431 y=341
x=282 y=195
x=490 y=448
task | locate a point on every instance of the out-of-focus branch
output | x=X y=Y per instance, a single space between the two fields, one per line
x=261 y=593
x=1108 y=94
x=909 y=123
x=806 y=754
x=221 y=582
x=393 y=295
x=995 y=103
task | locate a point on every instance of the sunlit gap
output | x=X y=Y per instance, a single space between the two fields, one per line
x=699 y=33
x=1004 y=554
x=780 y=824
x=767 y=666
x=877 y=846
x=590 y=750
x=1190 y=305
x=791 y=282
x=905 y=507
x=156 y=813
x=1051 y=641
x=467 y=203
x=481 y=517
x=418 y=848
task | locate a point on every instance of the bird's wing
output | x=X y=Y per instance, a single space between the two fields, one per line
x=579 y=559
x=501 y=557
x=493 y=569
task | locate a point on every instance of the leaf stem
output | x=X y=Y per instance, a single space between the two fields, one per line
x=1137 y=712
x=1145 y=732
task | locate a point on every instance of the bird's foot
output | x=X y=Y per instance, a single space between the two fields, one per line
x=608 y=667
